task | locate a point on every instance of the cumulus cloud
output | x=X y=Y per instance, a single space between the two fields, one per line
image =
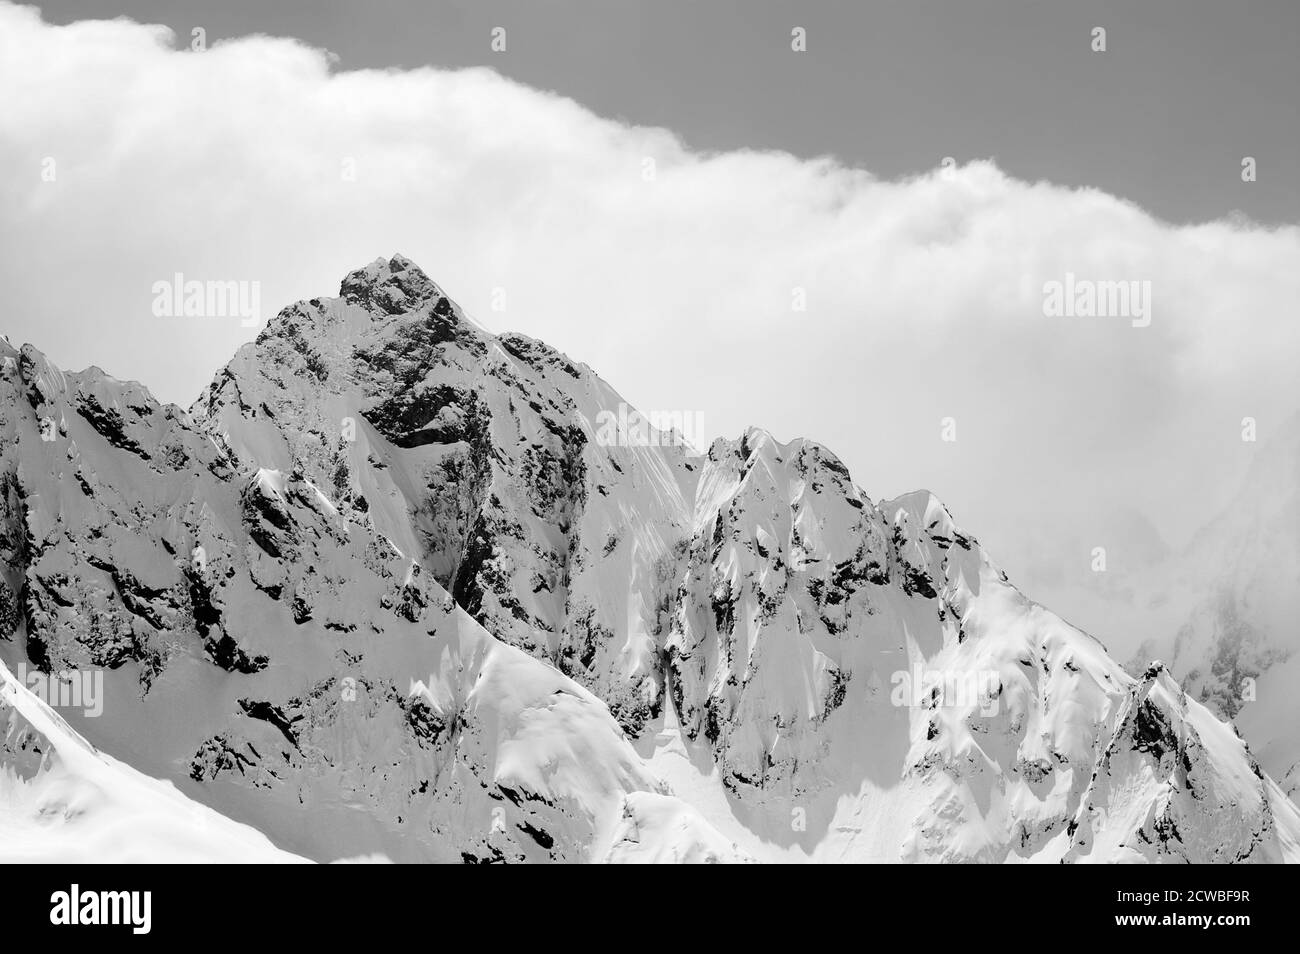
x=675 y=274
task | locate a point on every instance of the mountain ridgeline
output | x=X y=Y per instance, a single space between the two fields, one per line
x=388 y=588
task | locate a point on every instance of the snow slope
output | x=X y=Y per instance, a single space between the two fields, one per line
x=62 y=801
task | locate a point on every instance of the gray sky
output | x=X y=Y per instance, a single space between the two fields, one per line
x=1184 y=90
x=692 y=179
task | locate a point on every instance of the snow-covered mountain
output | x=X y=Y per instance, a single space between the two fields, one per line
x=391 y=588
x=275 y=654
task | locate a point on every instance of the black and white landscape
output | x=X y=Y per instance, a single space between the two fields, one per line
x=398 y=587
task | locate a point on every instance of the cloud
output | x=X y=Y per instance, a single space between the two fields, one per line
x=675 y=274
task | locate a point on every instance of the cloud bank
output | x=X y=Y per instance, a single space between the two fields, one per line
x=747 y=287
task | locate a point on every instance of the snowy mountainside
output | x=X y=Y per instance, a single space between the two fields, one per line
x=475 y=456
x=805 y=603
x=62 y=801
x=272 y=653
x=388 y=588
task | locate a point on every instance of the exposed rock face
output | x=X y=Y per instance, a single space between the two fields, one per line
x=1201 y=773
x=476 y=456
x=387 y=589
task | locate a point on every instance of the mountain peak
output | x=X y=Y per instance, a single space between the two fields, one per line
x=393 y=286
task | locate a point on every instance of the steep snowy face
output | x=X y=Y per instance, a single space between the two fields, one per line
x=776 y=570
x=104 y=495
x=483 y=459
x=1165 y=781
x=870 y=669
x=264 y=646
x=397 y=585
